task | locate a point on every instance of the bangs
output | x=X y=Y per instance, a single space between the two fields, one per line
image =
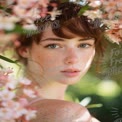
x=77 y=26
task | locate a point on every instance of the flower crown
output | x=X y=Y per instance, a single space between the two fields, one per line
x=17 y=16
x=97 y=12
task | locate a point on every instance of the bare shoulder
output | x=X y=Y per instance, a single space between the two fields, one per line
x=60 y=111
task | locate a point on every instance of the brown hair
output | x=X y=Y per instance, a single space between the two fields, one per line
x=69 y=20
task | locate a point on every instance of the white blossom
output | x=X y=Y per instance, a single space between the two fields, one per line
x=30 y=114
x=24 y=81
x=92 y=14
x=6 y=95
x=54 y=13
x=30 y=93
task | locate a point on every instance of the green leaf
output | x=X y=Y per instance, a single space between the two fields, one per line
x=83 y=9
x=7 y=59
x=95 y=105
x=17 y=29
x=76 y=100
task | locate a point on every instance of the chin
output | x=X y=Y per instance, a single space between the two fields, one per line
x=70 y=81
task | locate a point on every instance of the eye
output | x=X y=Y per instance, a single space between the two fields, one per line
x=52 y=46
x=85 y=45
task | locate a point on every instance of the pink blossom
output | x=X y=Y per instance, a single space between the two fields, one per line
x=6 y=114
x=30 y=93
x=20 y=111
x=54 y=13
x=33 y=14
x=95 y=3
x=30 y=114
x=43 y=12
x=20 y=12
x=12 y=83
x=114 y=35
x=30 y=27
x=92 y=14
x=6 y=95
x=23 y=101
x=15 y=108
x=9 y=104
x=6 y=23
x=24 y=81
x=44 y=3
x=3 y=78
x=8 y=81
x=26 y=3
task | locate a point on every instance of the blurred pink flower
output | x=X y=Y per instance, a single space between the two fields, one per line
x=6 y=114
x=7 y=22
x=26 y=3
x=6 y=95
x=14 y=107
x=43 y=12
x=95 y=3
x=114 y=35
x=24 y=81
x=12 y=83
x=19 y=11
x=43 y=3
x=30 y=93
x=92 y=14
x=54 y=13
x=30 y=115
x=24 y=102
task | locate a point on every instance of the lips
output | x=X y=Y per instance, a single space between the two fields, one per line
x=71 y=72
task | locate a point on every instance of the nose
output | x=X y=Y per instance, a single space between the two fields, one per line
x=71 y=56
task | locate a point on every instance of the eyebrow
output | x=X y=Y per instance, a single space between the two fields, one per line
x=60 y=39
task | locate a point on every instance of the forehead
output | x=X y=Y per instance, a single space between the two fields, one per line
x=49 y=33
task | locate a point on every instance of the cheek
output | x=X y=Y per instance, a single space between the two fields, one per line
x=49 y=61
x=87 y=59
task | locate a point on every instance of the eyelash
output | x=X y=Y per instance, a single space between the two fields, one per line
x=83 y=44
x=49 y=46
x=86 y=45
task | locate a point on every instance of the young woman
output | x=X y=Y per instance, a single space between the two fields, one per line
x=57 y=56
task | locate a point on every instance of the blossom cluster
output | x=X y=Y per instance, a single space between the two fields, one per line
x=110 y=12
x=17 y=15
x=14 y=13
x=15 y=107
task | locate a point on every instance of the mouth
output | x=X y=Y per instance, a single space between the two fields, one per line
x=71 y=72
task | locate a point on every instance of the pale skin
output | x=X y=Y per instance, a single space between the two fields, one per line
x=53 y=64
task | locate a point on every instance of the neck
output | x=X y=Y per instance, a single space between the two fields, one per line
x=48 y=90
x=52 y=91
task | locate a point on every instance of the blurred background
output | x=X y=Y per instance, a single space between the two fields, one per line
x=103 y=84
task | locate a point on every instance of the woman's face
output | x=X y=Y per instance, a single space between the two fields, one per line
x=60 y=60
